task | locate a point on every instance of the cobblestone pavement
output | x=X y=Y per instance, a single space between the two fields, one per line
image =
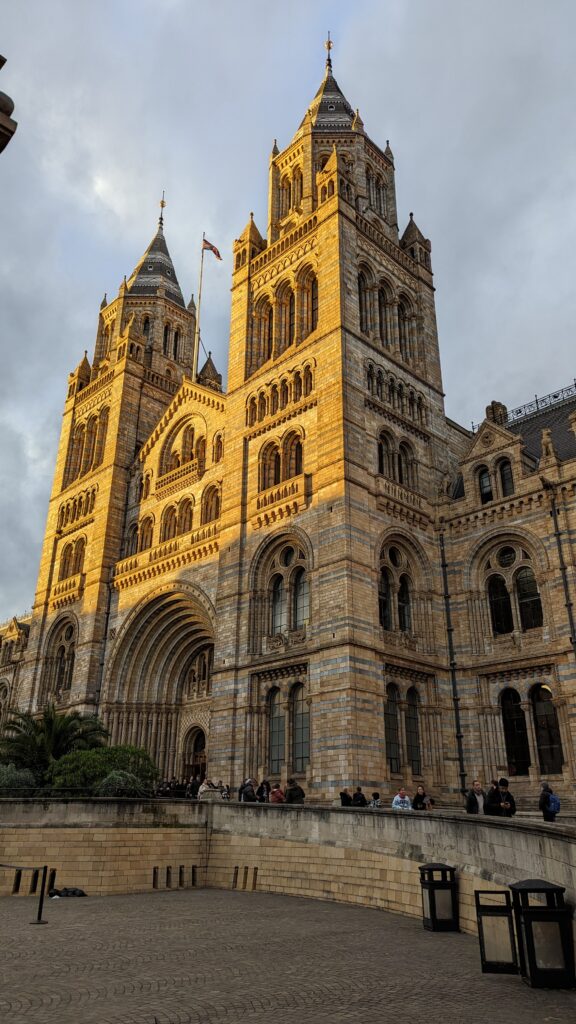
x=207 y=956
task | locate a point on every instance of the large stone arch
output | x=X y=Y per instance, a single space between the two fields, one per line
x=146 y=684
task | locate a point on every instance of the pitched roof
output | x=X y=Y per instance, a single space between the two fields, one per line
x=156 y=270
x=209 y=375
x=329 y=110
x=554 y=418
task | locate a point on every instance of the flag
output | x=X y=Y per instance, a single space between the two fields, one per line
x=208 y=245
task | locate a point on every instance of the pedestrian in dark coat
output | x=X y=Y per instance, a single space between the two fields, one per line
x=508 y=805
x=545 y=803
x=294 y=793
x=263 y=792
x=476 y=799
x=345 y=798
x=359 y=800
x=493 y=802
x=248 y=792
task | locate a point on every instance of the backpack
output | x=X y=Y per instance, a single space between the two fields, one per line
x=553 y=803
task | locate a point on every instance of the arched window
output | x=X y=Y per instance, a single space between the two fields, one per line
x=547 y=729
x=252 y=412
x=146 y=493
x=405 y=466
x=391 y=728
x=506 y=478
x=166 y=340
x=146 y=531
x=101 y=436
x=185 y=517
x=413 y=731
x=58 y=667
x=529 y=604
x=404 y=331
x=300 y=729
x=276 y=733
x=307 y=381
x=297 y=187
x=385 y=599
x=188 y=444
x=169 y=524
x=79 y=551
x=66 y=562
x=176 y=344
x=363 y=303
x=500 y=606
x=297 y=388
x=210 y=505
x=284 y=394
x=404 y=605
x=146 y=327
x=384 y=456
x=370 y=379
x=292 y=456
x=287 y=319
x=89 y=445
x=218 y=448
x=274 y=399
x=484 y=485
x=266 y=332
x=310 y=305
x=300 y=599
x=379 y=384
x=261 y=406
x=75 y=455
x=515 y=733
x=132 y=540
x=270 y=467
x=382 y=316
x=278 y=606
x=201 y=455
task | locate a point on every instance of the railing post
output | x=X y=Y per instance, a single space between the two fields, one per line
x=41 y=899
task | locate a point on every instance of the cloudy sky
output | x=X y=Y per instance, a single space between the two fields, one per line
x=119 y=99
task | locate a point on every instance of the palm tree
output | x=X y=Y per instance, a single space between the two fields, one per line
x=35 y=743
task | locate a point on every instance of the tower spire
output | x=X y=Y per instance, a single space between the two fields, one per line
x=328 y=46
x=162 y=205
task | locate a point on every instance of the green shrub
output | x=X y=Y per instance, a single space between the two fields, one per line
x=121 y=784
x=16 y=781
x=84 y=770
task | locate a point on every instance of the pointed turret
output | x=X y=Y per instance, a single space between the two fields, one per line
x=329 y=110
x=209 y=376
x=388 y=152
x=414 y=242
x=156 y=270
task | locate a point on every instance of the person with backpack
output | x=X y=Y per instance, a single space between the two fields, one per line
x=549 y=803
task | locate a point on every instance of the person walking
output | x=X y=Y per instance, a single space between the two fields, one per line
x=294 y=793
x=548 y=803
x=401 y=801
x=345 y=798
x=508 y=804
x=359 y=800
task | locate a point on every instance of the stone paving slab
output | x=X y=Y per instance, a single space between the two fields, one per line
x=206 y=956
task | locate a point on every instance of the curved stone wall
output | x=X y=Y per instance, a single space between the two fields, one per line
x=367 y=857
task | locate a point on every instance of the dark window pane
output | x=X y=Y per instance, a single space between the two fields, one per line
x=529 y=604
x=404 y=605
x=485 y=486
x=300 y=730
x=413 y=731
x=500 y=606
x=391 y=729
x=276 y=752
x=385 y=600
x=506 y=478
x=515 y=733
x=547 y=731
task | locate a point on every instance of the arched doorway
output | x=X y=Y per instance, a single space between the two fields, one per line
x=194 y=755
x=149 y=679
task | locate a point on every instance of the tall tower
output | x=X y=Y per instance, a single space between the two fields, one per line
x=143 y=349
x=335 y=451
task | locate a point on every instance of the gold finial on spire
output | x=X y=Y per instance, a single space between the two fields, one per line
x=328 y=46
x=162 y=205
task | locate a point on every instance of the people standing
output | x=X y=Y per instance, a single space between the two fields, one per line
x=345 y=798
x=492 y=804
x=476 y=799
x=549 y=803
x=421 y=801
x=263 y=792
x=375 y=801
x=401 y=801
x=294 y=793
x=276 y=794
x=359 y=800
x=508 y=804
x=248 y=792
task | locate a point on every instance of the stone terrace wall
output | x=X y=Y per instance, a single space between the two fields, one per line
x=371 y=858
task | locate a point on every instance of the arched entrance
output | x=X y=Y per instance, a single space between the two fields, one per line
x=149 y=678
x=194 y=755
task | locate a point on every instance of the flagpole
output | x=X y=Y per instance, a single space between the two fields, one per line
x=197 y=334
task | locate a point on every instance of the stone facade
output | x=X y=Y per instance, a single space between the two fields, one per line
x=317 y=573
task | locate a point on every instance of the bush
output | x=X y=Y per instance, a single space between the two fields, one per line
x=16 y=781
x=83 y=770
x=121 y=784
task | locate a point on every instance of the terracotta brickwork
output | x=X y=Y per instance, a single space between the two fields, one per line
x=299 y=576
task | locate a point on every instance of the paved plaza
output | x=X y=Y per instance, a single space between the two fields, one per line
x=211 y=956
